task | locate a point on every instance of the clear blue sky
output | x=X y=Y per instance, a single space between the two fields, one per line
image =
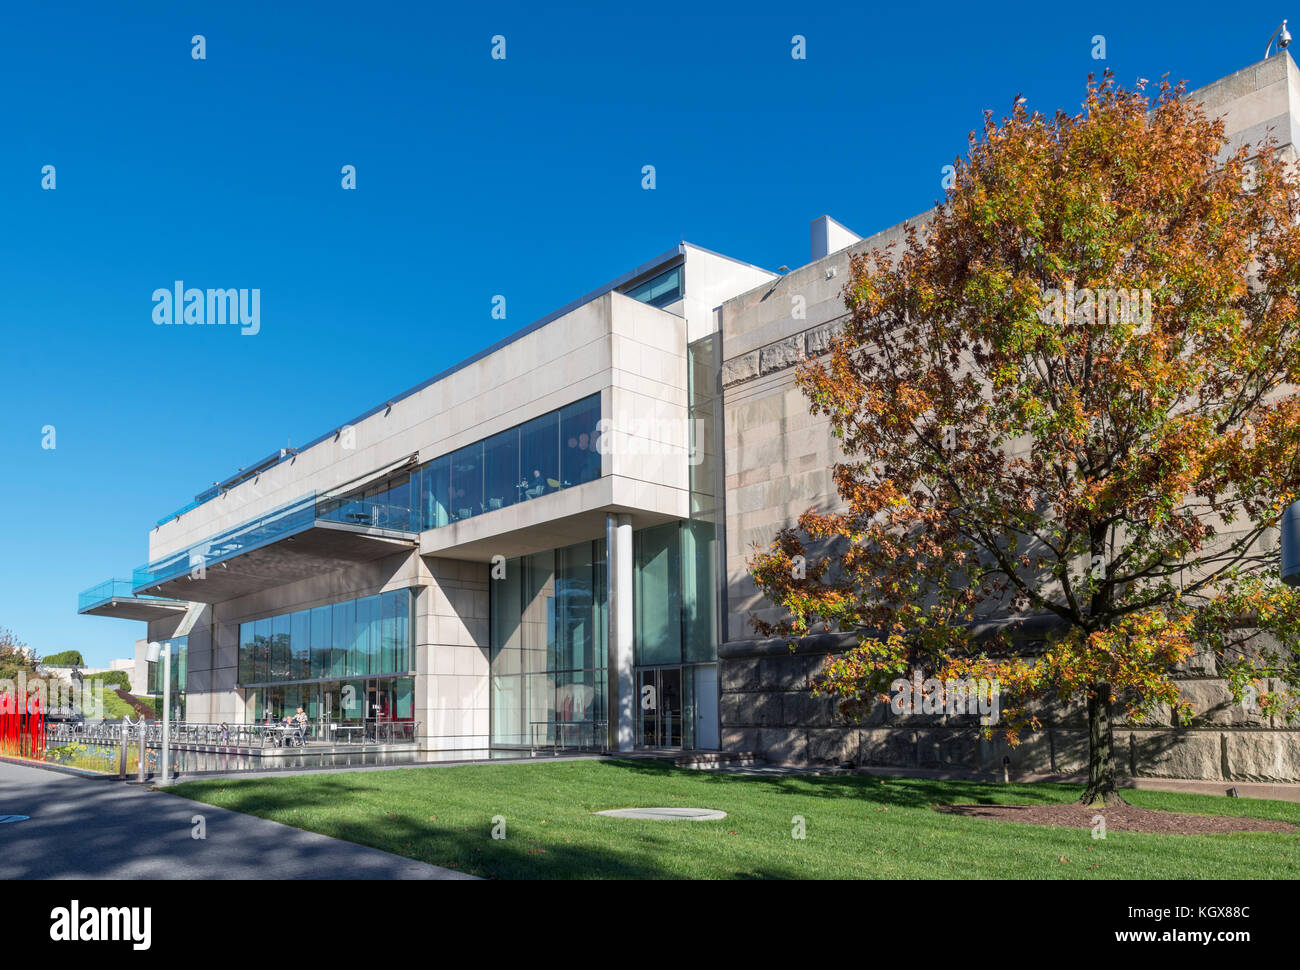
x=475 y=177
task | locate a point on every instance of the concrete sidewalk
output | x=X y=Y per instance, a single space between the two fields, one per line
x=92 y=828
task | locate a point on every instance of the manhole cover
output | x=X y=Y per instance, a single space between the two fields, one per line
x=690 y=814
x=14 y=818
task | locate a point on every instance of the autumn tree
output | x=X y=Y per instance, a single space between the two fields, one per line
x=1067 y=396
x=16 y=657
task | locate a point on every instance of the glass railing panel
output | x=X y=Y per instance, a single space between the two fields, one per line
x=368 y=514
x=110 y=589
x=283 y=521
x=178 y=513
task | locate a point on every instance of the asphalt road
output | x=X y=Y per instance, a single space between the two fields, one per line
x=90 y=828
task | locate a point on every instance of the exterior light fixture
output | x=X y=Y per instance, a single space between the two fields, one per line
x=1283 y=38
x=151 y=654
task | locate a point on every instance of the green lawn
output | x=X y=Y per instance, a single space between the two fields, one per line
x=856 y=827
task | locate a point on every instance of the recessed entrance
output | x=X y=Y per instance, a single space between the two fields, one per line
x=677 y=706
x=659 y=690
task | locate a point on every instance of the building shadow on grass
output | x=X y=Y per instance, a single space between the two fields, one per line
x=469 y=850
x=888 y=790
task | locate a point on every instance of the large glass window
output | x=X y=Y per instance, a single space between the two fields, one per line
x=554 y=451
x=262 y=650
x=352 y=701
x=321 y=639
x=579 y=442
x=661 y=290
x=467 y=481
x=579 y=617
x=346 y=640
x=342 y=656
x=403 y=698
x=675 y=610
x=549 y=626
x=657 y=595
x=366 y=645
x=280 y=648
x=699 y=591
x=548 y=649
x=300 y=645
x=246 y=652
x=180 y=668
x=501 y=470
x=435 y=486
x=539 y=458
x=396 y=623
x=397 y=503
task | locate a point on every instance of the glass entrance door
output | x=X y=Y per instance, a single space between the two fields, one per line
x=660 y=707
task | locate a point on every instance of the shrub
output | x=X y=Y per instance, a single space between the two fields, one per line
x=68 y=658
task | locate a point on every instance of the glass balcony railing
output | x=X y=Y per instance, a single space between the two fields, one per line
x=279 y=523
x=179 y=512
x=107 y=590
x=371 y=514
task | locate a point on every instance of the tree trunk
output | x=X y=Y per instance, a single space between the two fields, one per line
x=1101 y=788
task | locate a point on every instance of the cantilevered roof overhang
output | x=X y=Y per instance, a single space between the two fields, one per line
x=559 y=519
x=114 y=597
x=294 y=542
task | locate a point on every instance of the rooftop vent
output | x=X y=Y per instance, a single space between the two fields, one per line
x=828 y=236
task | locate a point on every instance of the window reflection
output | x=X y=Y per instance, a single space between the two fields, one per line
x=370 y=635
x=661 y=290
x=467 y=482
x=554 y=451
x=179 y=677
x=539 y=457
x=501 y=470
x=548 y=631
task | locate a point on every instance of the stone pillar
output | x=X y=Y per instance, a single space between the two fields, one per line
x=622 y=682
x=452 y=659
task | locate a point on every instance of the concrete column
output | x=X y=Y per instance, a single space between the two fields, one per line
x=622 y=682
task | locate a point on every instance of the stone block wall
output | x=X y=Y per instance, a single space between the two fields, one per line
x=767 y=708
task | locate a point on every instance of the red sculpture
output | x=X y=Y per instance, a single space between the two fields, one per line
x=22 y=726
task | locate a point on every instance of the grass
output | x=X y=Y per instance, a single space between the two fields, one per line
x=857 y=827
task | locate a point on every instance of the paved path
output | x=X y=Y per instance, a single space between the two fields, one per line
x=92 y=828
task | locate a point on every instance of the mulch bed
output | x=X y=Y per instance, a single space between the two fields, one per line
x=1126 y=818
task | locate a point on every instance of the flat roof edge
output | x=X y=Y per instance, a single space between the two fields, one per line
x=668 y=255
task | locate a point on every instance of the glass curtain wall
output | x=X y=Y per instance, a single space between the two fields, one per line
x=675 y=632
x=675 y=615
x=334 y=706
x=180 y=675
x=356 y=638
x=549 y=628
x=548 y=649
x=555 y=451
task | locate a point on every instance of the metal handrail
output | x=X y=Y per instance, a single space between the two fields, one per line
x=239 y=735
x=558 y=726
